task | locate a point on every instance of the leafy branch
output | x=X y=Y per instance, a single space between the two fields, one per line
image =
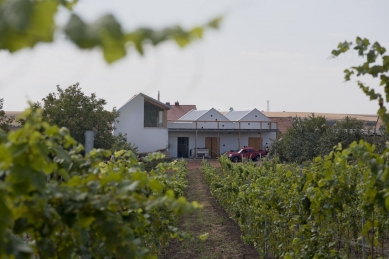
x=376 y=65
x=24 y=23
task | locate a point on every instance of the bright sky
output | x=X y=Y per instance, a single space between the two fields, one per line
x=265 y=50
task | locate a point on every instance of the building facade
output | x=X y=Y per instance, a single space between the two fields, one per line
x=144 y=121
x=197 y=133
x=208 y=133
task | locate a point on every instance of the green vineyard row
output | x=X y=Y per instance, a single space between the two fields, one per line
x=57 y=203
x=334 y=207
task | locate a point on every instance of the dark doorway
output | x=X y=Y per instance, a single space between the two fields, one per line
x=183 y=147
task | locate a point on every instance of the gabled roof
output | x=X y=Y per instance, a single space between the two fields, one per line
x=177 y=111
x=148 y=98
x=243 y=115
x=193 y=115
x=236 y=115
x=212 y=115
x=203 y=115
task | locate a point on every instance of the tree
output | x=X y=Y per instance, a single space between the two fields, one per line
x=311 y=136
x=301 y=141
x=72 y=109
x=343 y=132
x=350 y=123
x=24 y=23
x=5 y=121
x=120 y=143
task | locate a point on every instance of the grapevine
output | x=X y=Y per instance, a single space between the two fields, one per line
x=314 y=211
x=57 y=203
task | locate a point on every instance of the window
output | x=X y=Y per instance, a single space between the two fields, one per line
x=153 y=115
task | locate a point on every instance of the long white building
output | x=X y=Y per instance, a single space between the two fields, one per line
x=196 y=133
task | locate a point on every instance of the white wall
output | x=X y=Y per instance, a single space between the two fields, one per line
x=181 y=125
x=256 y=125
x=131 y=122
x=215 y=120
x=172 y=145
x=222 y=125
x=228 y=141
x=173 y=141
x=268 y=137
x=212 y=115
x=255 y=115
x=205 y=125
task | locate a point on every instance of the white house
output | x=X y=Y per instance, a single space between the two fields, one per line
x=196 y=132
x=211 y=133
x=144 y=120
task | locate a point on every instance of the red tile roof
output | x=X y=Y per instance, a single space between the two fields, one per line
x=177 y=111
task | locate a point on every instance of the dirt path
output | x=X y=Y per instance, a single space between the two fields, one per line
x=196 y=163
x=224 y=235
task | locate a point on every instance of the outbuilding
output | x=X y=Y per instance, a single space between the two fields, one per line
x=190 y=132
x=208 y=133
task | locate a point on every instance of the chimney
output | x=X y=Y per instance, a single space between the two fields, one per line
x=177 y=103
x=158 y=96
x=268 y=108
x=168 y=103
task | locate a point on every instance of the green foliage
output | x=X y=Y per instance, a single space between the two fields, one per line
x=56 y=203
x=312 y=136
x=380 y=140
x=348 y=130
x=344 y=133
x=5 y=121
x=204 y=236
x=336 y=206
x=24 y=23
x=304 y=137
x=72 y=109
x=151 y=164
x=349 y=123
x=376 y=65
x=311 y=212
x=120 y=143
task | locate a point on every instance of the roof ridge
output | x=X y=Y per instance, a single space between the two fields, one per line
x=185 y=114
x=204 y=112
x=128 y=101
x=147 y=97
x=245 y=114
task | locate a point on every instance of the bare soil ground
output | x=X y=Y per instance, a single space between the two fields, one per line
x=224 y=234
x=196 y=163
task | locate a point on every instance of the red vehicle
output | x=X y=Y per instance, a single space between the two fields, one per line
x=246 y=152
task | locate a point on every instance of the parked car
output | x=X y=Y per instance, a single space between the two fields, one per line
x=246 y=152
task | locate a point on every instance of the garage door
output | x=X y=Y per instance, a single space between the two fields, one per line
x=256 y=143
x=212 y=143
